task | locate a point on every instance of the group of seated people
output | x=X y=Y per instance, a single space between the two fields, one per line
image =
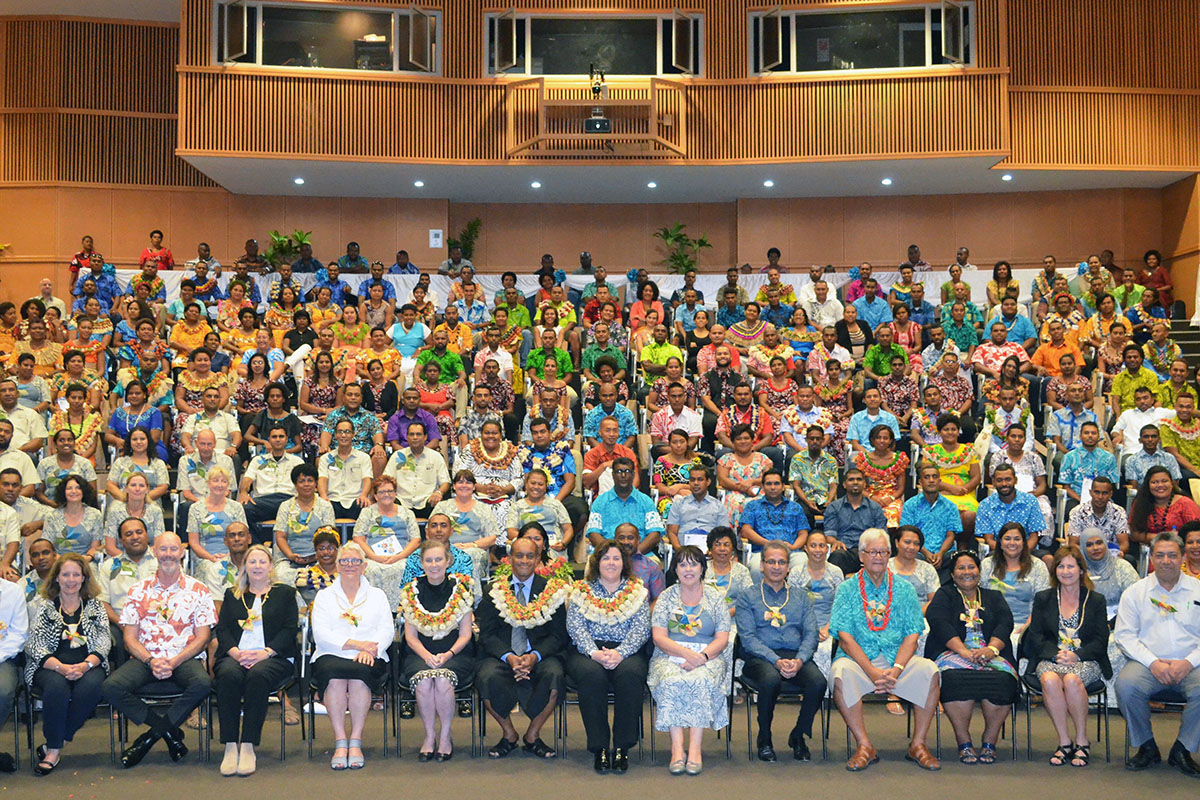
x=379 y=466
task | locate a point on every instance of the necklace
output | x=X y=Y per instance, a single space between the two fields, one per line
x=350 y=614
x=500 y=461
x=774 y=614
x=253 y=616
x=971 y=616
x=1068 y=635
x=436 y=624
x=878 y=615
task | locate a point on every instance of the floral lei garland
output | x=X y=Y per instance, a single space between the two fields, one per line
x=507 y=453
x=878 y=615
x=609 y=610
x=876 y=472
x=537 y=612
x=340 y=332
x=940 y=458
x=1192 y=431
x=89 y=427
x=192 y=384
x=436 y=625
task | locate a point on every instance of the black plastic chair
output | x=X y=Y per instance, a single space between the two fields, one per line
x=1097 y=695
x=309 y=694
x=571 y=688
x=279 y=688
x=751 y=690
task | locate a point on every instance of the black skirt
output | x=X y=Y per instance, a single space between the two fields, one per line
x=998 y=688
x=328 y=668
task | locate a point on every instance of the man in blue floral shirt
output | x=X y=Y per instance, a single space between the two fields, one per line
x=368 y=433
x=557 y=460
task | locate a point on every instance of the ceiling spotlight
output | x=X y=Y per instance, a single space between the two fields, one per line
x=299 y=181
x=418 y=184
x=1006 y=177
x=768 y=183
x=536 y=184
x=651 y=185
x=886 y=181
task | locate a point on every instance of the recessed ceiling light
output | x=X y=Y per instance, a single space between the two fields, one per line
x=418 y=184
x=1006 y=177
x=536 y=184
x=651 y=185
x=886 y=181
x=299 y=181
x=768 y=183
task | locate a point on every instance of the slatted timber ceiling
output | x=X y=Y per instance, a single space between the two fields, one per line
x=85 y=101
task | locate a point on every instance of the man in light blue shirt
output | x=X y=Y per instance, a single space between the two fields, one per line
x=936 y=517
x=871 y=309
x=609 y=407
x=1065 y=423
x=364 y=288
x=1151 y=455
x=1086 y=462
x=471 y=310
x=622 y=504
x=693 y=515
x=859 y=432
x=1020 y=329
x=1009 y=504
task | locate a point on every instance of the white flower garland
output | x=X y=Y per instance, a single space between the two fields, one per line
x=604 y=610
x=536 y=612
x=436 y=625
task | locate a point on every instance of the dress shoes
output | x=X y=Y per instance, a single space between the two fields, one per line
x=601 y=763
x=175 y=744
x=767 y=753
x=620 y=760
x=799 y=748
x=133 y=755
x=1146 y=756
x=1181 y=759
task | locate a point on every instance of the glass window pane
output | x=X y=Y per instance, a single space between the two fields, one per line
x=519 y=67
x=936 y=21
x=863 y=40
x=251 y=54
x=785 y=65
x=616 y=46
x=295 y=37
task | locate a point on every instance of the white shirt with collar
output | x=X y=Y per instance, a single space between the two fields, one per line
x=1154 y=623
x=27 y=426
x=823 y=315
x=10 y=525
x=19 y=460
x=15 y=616
x=270 y=476
x=416 y=476
x=1130 y=425
x=222 y=424
x=344 y=475
x=193 y=472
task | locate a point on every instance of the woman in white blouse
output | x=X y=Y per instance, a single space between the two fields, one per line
x=352 y=628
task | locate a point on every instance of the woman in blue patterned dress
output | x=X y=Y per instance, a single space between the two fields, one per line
x=206 y=523
x=689 y=672
x=134 y=505
x=297 y=521
x=75 y=525
x=374 y=531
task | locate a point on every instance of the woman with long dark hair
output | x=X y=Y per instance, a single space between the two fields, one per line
x=1159 y=506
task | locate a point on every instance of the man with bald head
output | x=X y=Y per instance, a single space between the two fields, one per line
x=166 y=623
x=521 y=658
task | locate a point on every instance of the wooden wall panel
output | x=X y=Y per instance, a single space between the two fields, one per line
x=1181 y=236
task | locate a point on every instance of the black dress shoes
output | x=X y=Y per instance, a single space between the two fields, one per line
x=175 y=744
x=1146 y=756
x=133 y=755
x=7 y=763
x=620 y=760
x=766 y=753
x=601 y=764
x=1181 y=759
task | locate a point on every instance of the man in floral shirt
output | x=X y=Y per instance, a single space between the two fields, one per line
x=557 y=460
x=167 y=622
x=117 y=575
x=368 y=433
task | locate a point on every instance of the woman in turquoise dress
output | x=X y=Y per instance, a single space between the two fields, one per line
x=690 y=628
x=296 y=522
x=75 y=525
x=821 y=579
x=207 y=521
x=135 y=505
x=388 y=533
x=139 y=458
x=474 y=528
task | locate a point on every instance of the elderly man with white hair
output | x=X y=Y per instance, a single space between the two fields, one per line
x=877 y=620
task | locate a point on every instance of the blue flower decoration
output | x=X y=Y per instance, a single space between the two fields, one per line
x=560 y=277
x=854 y=273
x=631 y=276
x=108 y=269
x=322 y=275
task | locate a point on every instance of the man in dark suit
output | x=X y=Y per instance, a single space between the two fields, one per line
x=522 y=635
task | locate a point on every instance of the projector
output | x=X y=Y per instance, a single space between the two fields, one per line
x=597 y=125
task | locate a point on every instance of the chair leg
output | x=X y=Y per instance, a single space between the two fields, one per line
x=1107 y=753
x=749 y=730
x=937 y=724
x=282 y=726
x=312 y=719
x=824 y=729
x=1028 y=727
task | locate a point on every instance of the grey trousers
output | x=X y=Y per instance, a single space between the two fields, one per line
x=1136 y=685
x=10 y=678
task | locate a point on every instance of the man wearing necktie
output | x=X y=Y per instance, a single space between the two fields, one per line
x=522 y=635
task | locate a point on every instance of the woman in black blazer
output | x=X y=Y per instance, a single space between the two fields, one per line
x=1067 y=647
x=851 y=323
x=969 y=638
x=256 y=643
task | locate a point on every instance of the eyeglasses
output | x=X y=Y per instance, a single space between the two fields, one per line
x=876 y=553
x=350 y=562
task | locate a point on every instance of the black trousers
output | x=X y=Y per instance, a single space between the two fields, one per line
x=846 y=560
x=349 y=511
x=767 y=681
x=120 y=690
x=497 y=685
x=66 y=705
x=116 y=654
x=577 y=510
x=627 y=683
x=263 y=509
x=242 y=695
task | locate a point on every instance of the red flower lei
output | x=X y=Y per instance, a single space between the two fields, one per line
x=870 y=609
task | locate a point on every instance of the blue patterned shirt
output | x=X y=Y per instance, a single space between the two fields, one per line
x=609 y=511
x=862 y=423
x=1080 y=464
x=727 y=316
x=366 y=425
x=364 y=288
x=591 y=422
x=1138 y=464
x=1065 y=423
x=848 y=616
x=994 y=514
x=780 y=521
x=556 y=458
x=935 y=521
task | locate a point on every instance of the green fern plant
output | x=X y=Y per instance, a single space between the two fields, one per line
x=285 y=248
x=466 y=238
x=682 y=250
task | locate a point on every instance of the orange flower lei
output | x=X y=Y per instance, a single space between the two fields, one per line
x=436 y=625
x=538 y=611
x=502 y=461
